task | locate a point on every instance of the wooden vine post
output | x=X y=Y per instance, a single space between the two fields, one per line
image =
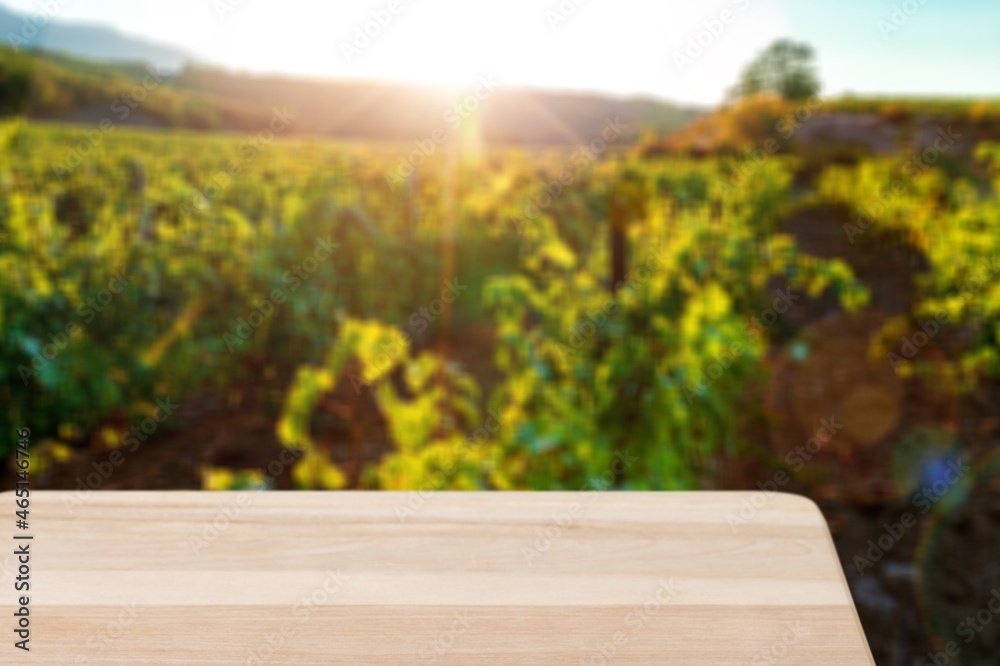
x=626 y=204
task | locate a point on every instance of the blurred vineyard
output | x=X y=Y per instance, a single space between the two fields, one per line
x=686 y=313
x=293 y=267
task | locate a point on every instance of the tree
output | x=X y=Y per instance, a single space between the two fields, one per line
x=785 y=68
x=15 y=82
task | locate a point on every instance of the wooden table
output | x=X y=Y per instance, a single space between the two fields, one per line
x=430 y=578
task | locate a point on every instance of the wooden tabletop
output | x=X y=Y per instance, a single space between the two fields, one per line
x=430 y=578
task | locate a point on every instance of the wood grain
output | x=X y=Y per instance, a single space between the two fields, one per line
x=461 y=578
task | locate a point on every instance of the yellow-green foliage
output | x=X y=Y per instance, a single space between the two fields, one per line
x=599 y=384
x=431 y=426
x=739 y=127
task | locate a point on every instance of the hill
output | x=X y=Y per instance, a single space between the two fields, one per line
x=42 y=32
x=53 y=87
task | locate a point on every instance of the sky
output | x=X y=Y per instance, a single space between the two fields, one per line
x=619 y=47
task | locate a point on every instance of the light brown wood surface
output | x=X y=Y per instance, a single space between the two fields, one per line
x=462 y=578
